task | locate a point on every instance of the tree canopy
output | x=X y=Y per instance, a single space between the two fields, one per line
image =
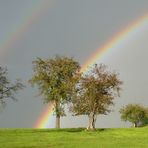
x=56 y=79
x=96 y=92
x=134 y=113
x=8 y=89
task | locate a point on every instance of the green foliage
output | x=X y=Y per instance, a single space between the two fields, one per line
x=97 y=90
x=134 y=113
x=8 y=89
x=145 y=122
x=71 y=138
x=56 y=79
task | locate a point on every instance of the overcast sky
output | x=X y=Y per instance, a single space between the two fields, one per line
x=44 y=28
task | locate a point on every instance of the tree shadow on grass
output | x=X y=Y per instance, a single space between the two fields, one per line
x=85 y=130
x=71 y=130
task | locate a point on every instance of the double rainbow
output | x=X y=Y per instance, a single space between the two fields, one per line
x=134 y=27
x=38 y=9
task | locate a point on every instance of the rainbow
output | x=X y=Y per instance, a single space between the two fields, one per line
x=38 y=9
x=44 y=121
x=35 y=13
x=114 y=42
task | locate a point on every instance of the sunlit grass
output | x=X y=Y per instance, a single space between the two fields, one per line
x=74 y=138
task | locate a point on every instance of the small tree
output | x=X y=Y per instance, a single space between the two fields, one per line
x=56 y=79
x=97 y=90
x=134 y=113
x=7 y=89
x=145 y=122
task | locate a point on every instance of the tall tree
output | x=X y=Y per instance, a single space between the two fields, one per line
x=97 y=90
x=8 y=89
x=56 y=79
x=134 y=113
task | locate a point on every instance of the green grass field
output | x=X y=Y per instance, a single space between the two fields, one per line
x=74 y=138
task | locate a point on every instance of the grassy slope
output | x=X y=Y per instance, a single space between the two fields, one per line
x=74 y=138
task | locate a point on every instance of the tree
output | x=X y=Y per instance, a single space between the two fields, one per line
x=145 y=122
x=134 y=113
x=56 y=79
x=97 y=90
x=8 y=89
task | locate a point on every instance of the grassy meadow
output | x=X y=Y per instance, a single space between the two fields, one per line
x=74 y=138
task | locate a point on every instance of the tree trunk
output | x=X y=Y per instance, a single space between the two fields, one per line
x=92 y=121
x=135 y=124
x=57 y=106
x=57 y=121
